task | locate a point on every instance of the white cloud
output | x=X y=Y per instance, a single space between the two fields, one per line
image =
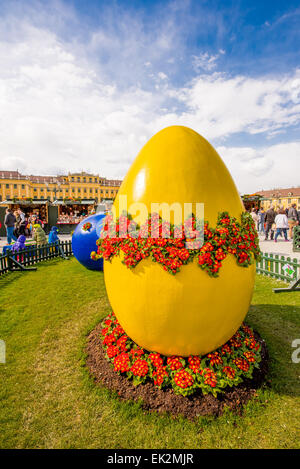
x=219 y=106
x=264 y=168
x=205 y=61
x=60 y=110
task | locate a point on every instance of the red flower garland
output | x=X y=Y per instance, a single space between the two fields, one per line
x=229 y=237
x=87 y=226
x=212 y=373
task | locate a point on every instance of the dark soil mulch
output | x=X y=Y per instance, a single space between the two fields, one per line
x=165 y=400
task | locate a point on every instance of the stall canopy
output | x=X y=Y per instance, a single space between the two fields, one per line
x=75 y=202
x=25 y=202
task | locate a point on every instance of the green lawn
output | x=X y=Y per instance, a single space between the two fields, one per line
x=47 y=399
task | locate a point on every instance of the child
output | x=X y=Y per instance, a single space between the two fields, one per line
x=39 y=235
x=19 y=244
x=53 y=238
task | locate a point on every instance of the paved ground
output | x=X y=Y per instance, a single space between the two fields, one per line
x=281 y=247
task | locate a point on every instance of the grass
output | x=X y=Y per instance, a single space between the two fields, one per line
x=47 y=399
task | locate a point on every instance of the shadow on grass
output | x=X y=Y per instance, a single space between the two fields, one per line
x=10 y=277
x=279 y=325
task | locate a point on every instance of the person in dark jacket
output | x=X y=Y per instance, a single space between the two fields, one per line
x=9 y=222
x=270 y=219
x=292 y=219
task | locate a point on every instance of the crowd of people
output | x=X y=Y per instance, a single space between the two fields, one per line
x=18 y=223
x=19 y=226
x=276 y=222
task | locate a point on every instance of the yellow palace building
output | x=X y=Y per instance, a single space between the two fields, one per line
x=57 y=200
x=280 y=198
x=14 y=185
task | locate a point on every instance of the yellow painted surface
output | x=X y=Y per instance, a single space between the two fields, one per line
x=189 y=313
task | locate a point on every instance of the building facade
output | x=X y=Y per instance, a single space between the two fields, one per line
x=280 y=198
x=14 y=185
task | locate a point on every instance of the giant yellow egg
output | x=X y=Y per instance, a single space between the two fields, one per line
x=189 y=313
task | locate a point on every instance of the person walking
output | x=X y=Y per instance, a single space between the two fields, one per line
x=282 y=224
x=270 y=218
x=9 y=222
x=261 y=221
x=255 y=217
x=292 y=219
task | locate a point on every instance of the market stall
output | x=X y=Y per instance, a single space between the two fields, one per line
x=71 y=212
x=30 y=207
x=251 y=201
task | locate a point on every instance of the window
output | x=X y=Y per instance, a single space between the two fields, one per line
x=7 y=186
x=79 y=190
x=289 y=201
x=96 y=180
x=84 y=179
x=96 y=190
x=72 y=179
x=84 y=190
x=34 y=190
x=67 y=190
x=15 y=186
x=90 y=179
x=91 y=190
x=35 y=197
x=42 y=190
x=78 y=179
x=23 y=186
x=42 y=196
x=73 y=189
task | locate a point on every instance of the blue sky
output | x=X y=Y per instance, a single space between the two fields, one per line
x=83 y=85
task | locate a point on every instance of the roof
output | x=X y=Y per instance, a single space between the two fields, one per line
x=42 y=179
x=55 y=179
x=11 y=175
x=276 y=193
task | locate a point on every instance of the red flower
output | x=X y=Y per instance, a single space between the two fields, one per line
x=112 y=351
x=156 y=359
x=230 y=372
x=127 y=356
x=109 y=339
x=159 y=375
x=122 y=362
x=242 y=364
x=250 y=356
x=184 y=379
x=215 y=358
x=194 y=364
x=140 y=367
x=174 y=363
x=210 y=377
x=229 y=236
x=226 y=349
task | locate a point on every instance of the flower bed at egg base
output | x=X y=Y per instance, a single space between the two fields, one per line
x=166 y=399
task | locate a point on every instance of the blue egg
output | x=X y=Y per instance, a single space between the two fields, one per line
x=84 y=241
